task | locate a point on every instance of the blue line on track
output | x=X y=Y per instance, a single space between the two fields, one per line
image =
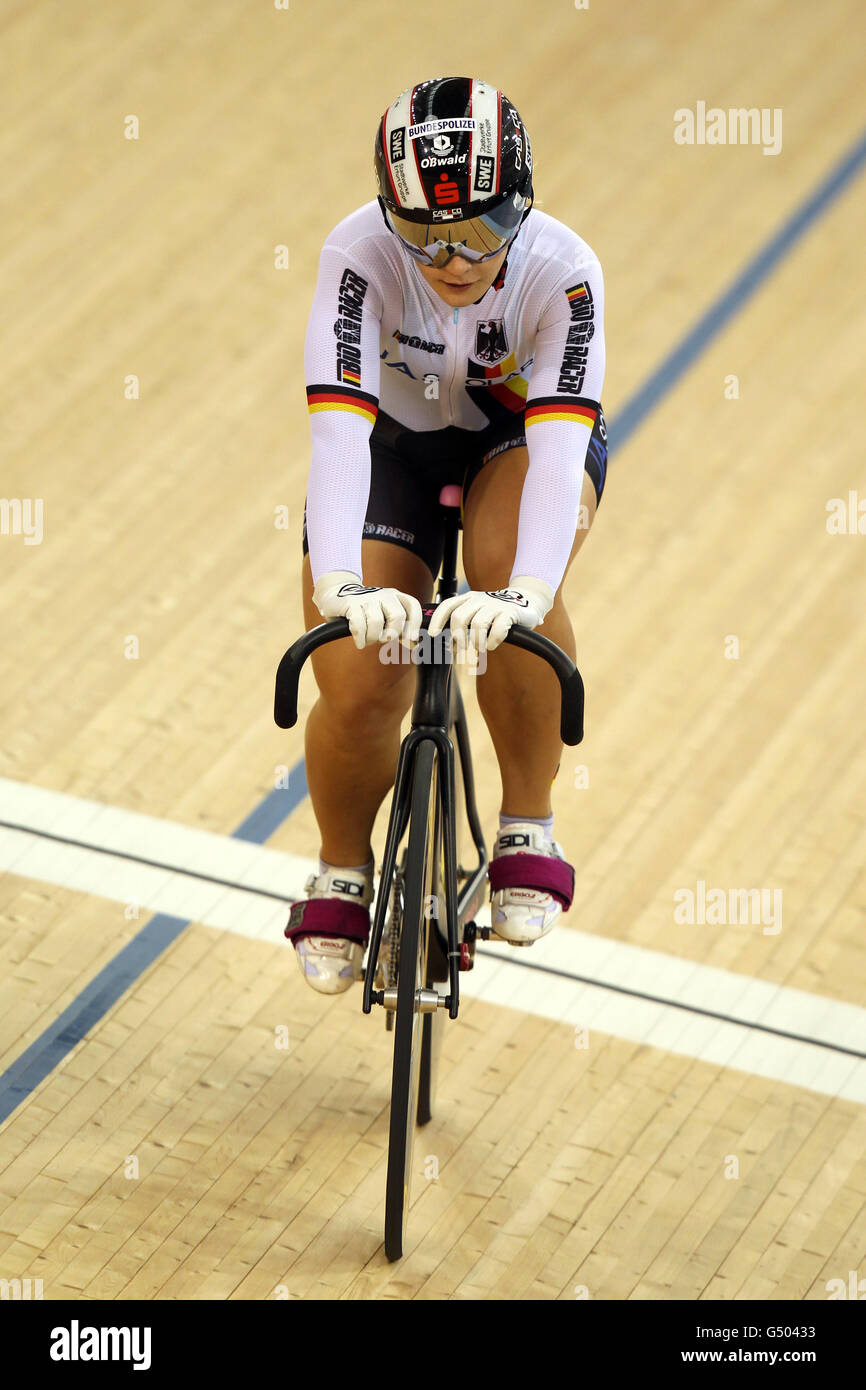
x=277 y=806
x=94 y=1001
x=86 y=1009
x=735 y=296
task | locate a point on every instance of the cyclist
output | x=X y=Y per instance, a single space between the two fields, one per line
x=456 y=336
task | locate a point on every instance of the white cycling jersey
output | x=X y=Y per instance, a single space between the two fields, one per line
x=380 y=336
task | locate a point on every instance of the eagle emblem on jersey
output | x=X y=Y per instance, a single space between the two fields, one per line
x=491 y=343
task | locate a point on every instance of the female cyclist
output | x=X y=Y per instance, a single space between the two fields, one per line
x=456 y=336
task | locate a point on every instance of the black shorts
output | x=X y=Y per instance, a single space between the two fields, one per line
x=410 y=468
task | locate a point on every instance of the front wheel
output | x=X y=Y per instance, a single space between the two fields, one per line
x=411 y=982
x=437 y=975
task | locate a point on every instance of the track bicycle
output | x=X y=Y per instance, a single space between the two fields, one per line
x=423 y=930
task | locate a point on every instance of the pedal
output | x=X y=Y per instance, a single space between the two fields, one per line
x=472 y=931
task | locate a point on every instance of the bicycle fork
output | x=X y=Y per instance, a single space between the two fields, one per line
x=399 y=817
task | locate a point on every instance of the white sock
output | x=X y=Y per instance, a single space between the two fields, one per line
x=546 y=823
x=354 y=868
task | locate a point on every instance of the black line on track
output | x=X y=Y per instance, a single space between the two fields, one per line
x=676 y=1004
x=488 y=955
x=149 y=863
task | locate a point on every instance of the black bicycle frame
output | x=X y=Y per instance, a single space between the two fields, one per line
x=431 y=719
x=437 y=707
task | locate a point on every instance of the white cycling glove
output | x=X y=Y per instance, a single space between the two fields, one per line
x=485 y=618
x=374 y=614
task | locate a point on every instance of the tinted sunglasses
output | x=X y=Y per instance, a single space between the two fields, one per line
x=475 y=238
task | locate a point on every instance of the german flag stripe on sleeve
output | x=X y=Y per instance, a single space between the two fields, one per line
x=577 y=410
x=342 y=398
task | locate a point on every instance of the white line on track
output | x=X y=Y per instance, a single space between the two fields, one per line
x=500 y=976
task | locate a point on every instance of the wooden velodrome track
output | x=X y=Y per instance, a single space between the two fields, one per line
x=164 y=1138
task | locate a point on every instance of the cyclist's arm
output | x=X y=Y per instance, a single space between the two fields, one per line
x=341 y=366
x=561 y=409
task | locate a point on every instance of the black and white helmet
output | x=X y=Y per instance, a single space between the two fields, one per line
x=454 y=167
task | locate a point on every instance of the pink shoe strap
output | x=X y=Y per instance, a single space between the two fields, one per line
x=329 y=917
x=539 y=871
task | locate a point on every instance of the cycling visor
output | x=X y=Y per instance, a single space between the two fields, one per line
x=474 y=238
